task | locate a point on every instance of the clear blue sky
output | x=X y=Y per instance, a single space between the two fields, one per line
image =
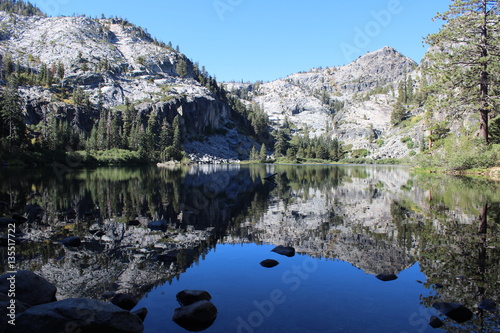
x=268 y=39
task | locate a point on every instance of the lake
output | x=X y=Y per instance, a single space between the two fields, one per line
x=375 y=246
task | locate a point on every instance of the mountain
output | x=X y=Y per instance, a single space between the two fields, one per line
x=113 y=64
x=95 y=77
x=352 y=103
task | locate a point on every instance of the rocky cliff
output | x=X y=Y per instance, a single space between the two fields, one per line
x=117 y=64
x=352 y=103
x=114 y=63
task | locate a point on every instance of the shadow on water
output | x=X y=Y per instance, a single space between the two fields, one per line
x=381 y=220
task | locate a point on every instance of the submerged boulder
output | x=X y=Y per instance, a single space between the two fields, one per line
x=386 y=277
x=454 y=311
x=284 y=250
x=82 y=315
x=487 y=305
x=125 y=301
x=188 y=297
x=435 y=322
x=269 y=263
x=195 y=317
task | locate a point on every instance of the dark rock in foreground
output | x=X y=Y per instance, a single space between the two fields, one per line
x=454 y=311
x=5 y=222
x=488 y=305
x=30 y=288
x=284 y=250
x=72 y=241
x=125 y=301
x=141 y=313
x=108 y=294
x=8 y=311
x=19 y=218
x=269 y=263
x=81 y=315
x=386 y=277
x=195 y=317
x=435 y=322
x=188 y=297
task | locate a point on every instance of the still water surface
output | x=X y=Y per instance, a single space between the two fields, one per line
x=438 y=234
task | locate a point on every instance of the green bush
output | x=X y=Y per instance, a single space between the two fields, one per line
x=406 y=139
x=360 y=153
x=112 y=156
x=462 y=153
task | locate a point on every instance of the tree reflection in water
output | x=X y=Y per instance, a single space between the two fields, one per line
x=380 y=219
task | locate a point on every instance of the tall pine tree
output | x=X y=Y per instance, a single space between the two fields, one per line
x=13 y=133
x=465 y=64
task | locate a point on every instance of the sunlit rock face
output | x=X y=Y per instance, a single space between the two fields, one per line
x=115 y=63
x=367 y=89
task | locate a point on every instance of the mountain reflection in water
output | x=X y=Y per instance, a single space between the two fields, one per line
x=380 y=220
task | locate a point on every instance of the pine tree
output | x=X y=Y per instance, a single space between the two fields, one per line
x=7 y=65
x=60 y=70
x=91 y=143
x=398 y=113
x=336 y=150
x=42 y=74
x=128 y=119
x=281 y=146
x=181 y=68
x=495 y=130
x=253 y=154
x=177 y=140
x=78 y=96
x=263 y=153
x=402 y=93
x=467 y=72
x=166 y=135
x=409 y=89
x=150 y=137
x=115 y=132
x=14 y=130
x=103 y=131
x=321 y=152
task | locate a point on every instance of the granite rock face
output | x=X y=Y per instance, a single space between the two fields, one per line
x=114 y=63
x=365 y=88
